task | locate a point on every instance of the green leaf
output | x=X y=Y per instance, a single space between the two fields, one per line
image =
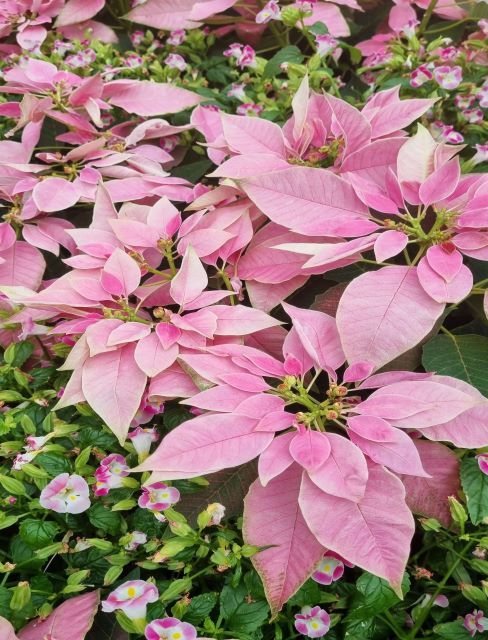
x=175 y=415
x=12 y=485
x=462 y=357
x=11 y=396
x=241 y=615
x=37 y=533
x=451 y=631
x=200 y=607
x=287 y=54
x=318 y=28
x=193 y=171
x=53 y=463
x=102 y=518
x=376 y=596
x=16 y=354
x=475 y=486
x=106 y=627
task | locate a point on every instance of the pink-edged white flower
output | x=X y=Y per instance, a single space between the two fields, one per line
x=475 y=622
x=439 y=601
x=271 y=11
x=170 y=629
x=312 y=622
x=244 y=55
x=82 y=59
x=482 y=96
x=142 y=440
x=176 y=37
x=137 y=37
x=483 y=25
x=329 y=570
x=306 y=5
x=420 y=76
x=158 y=497
x=448 y=78
x=249 y=109
x=483 y=459
x=23 y=458
x=133 y=61
x=446 y=133
x=175 y=61
x=132 y=598
x=237 y=91
x=134 y=539
x=216 y=512
x=66 y=494
x=481 y=154
x=61 y=47
x=234 y=50
x=325 y=44
x=464 y=101
x=34 y=443
x=110 y=474
x=409 y=28
x=473 y=116
x=448 y=53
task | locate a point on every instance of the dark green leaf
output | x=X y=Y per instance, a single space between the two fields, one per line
x=174 y=415
x=287 y=54
x=240 y=614
x=475 y=486
x=37 y=533
x=200 y=607
x=193 y=171
x=53 y=463
x=102 y=518
x=462 y=357
x=376 y=596
x=106 y=627
x=17 y=354
x=451 y=631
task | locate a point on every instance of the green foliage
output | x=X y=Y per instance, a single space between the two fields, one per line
x=475 y=486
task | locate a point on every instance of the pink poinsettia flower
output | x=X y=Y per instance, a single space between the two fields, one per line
x=329 y=570
x=448 y=77
x=475 y=622
x=132 y=598
x=483 y=462
x=158 y=496
x=110 y=474
x=312 y=622
x=66 y=494
x=170 y=628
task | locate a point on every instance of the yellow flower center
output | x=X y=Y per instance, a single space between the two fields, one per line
x=131 y=592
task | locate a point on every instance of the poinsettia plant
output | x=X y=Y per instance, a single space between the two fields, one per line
x=251 y=249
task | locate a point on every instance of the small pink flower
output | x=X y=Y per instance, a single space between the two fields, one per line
x=249 y=109
x=420 y=76
x=175 y=61
x=142 y=440
x=133 y=61
x=234 y=50
x=35 y=443
x=23 y=458
x=176 y=37
x=483 y=25
x=306 y=5
x=473 y=116
x=439 y=601
x=61 y=47
x=475 y=622
x=312 y=622
x=237 y=91
x=137 y=37
x=247 y=57
x=409 y=28
x=11 y=499
x=271 y=11
x=479 y=553
x=483 y=457
x=136 y=538
x=325 y=44
x=110 y=474
x=216 y=511
x=446 y=133
x=448 y=77
x=132 y=598
x=158 y=497
x=482 y=96
x=66 y=494
x=170 y=629
x=463 y=101
x=448 y=53
x=329 y=570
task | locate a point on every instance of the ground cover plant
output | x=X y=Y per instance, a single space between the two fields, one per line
x=243 y=317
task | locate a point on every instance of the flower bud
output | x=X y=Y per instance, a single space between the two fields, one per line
x=21 y=596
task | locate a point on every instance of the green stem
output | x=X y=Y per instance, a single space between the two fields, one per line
x=426 y=610
x=427 y=16
x=171 y=262
x=391 y=622
x=228 y=286
x=450 y=26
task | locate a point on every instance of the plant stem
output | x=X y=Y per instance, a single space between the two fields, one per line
x=391 y=622
x=426 y=610
x=427 y=16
